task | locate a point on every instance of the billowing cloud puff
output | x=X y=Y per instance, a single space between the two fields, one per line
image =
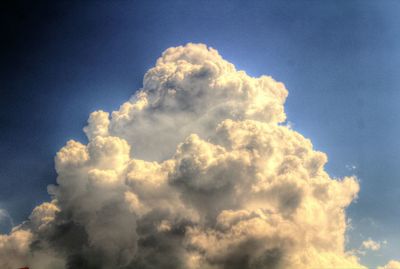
x=195 y=171
x=20 y=249
x=190 y=90
x=391 y=265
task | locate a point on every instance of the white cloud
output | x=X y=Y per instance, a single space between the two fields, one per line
x=391 y=265
x=194 y=171
x=371 y=245
x=5 y=217
x=351 y=167
x=190 y=90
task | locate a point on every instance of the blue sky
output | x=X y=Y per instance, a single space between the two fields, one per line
x=338 y=59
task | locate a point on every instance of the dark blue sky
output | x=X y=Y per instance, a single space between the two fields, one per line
x=339 y=60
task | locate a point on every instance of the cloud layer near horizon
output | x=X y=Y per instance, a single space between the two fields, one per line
x=196 y=170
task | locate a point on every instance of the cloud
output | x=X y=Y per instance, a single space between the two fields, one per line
x=368 y=245
x=351 y=167
x=196 y=170
x=372 y=245
x=5 y=218
x=391 y=265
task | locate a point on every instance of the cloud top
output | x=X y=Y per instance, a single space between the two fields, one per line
x=191 y=89
x=195 y=171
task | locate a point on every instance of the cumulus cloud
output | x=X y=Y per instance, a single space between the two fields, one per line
x=195 y=171
x=391 y=265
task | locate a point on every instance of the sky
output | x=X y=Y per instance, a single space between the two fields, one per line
x=338 y=60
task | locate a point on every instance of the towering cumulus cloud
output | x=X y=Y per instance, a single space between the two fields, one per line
x=195 y=171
